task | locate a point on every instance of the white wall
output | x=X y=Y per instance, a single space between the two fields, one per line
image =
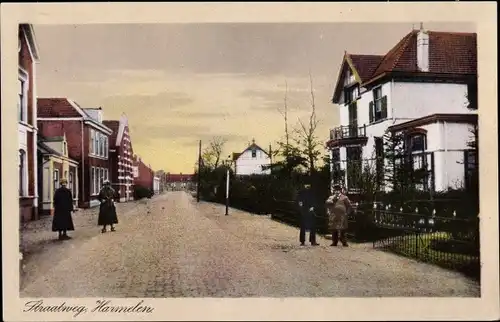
x=415 y=100
x=246 y=165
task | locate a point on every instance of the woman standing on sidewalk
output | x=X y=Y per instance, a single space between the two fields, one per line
x=63 y=206
x=338 y=207
x=107 y=210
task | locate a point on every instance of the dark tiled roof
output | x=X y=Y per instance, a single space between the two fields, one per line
x=365 y=64
x=449 y=53
x=55 y=107
x=236 y=156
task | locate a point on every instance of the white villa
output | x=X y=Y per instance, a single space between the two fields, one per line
x=251 y=160
x=421 y=87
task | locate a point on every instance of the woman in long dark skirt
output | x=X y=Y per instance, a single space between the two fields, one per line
x=107 y=210
x=63 y=206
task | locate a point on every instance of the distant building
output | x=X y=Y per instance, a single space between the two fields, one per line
x=251 y=160
x=143 y=174
x=178 y=181
x=120 y=154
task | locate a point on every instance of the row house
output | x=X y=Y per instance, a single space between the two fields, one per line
x=87 y=140
x=143 y=174
x=120 y=158
x=424 y=87
x=27 y=123
x=54 y=164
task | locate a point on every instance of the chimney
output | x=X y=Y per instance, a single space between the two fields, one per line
x=422 y=49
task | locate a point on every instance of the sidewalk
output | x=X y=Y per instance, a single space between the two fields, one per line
x=36 y=236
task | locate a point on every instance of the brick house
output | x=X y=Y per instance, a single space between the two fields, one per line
x=143 y=174
x=424 y=88
x=54 y=164
x=178 y=181
x=120 y=158
x=87 y=139
x=27 y=123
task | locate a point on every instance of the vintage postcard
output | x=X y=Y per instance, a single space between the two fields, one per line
x=272 y=161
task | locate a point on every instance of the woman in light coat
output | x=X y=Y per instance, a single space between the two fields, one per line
x=338 y=207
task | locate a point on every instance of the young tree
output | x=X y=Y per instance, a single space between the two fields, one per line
x=306 y=138
x=212 y=155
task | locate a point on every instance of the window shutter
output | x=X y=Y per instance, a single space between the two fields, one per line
x=384 y=107
x=371 y=112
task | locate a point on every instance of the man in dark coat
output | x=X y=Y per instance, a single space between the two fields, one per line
x=63 y=206
x=107 y=210
x=307 y=205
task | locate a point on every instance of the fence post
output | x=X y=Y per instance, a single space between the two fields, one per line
x=374 y=216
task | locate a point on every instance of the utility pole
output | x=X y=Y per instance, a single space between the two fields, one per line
x=198 y=185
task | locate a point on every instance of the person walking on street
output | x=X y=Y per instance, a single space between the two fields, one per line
x=107 y=209
x=63 y=207
x=307 y=205
x=338 y=207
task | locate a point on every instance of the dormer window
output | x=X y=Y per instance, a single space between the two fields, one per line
x=254 y=153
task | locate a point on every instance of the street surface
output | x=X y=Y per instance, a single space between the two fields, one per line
x=171 y=246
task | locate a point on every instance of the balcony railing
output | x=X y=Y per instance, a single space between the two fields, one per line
x=348 y=132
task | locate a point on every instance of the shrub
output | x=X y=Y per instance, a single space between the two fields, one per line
x=141 y=192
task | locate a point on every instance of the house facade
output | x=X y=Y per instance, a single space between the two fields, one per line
x=120 y=158
x=251 y=160
x=425 y=87
x=54 y=165
x=178 y=181
x=87 y=138
x=27 y=123
x=143 y=174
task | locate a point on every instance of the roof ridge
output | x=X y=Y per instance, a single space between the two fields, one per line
x=452 y=32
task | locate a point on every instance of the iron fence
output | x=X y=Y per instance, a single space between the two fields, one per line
x=441 y=238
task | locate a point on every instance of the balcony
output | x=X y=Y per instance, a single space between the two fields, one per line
x=347 y=135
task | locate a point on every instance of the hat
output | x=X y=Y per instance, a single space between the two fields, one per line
x=106 y=182
x=337 y=187
x=64 y=181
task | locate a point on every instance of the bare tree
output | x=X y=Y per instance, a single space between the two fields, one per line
x=307 y=139
x=212 y=155
x=285 y=146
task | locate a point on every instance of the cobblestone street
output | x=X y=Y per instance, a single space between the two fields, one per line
x=170 y=246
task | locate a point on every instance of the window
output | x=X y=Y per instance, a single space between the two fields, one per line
x=21 y=101
x=65 y=174
x=92 y=141
x=106 y=146
x=254 y=153
x=106 y=174
x=70 y=183
x=56 y=179
x=378 y=107
x=101 y=178
x=65 y=148
x=23 y=171
x=353 y=119
x=93 y=180
x=416 y=143
x=335 y=165
x=379 y=153
x=351 y=94
x=472 y=95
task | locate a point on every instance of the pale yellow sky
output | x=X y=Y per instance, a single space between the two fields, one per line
x=179 y=83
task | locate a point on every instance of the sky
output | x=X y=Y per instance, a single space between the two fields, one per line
x=181 y=83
